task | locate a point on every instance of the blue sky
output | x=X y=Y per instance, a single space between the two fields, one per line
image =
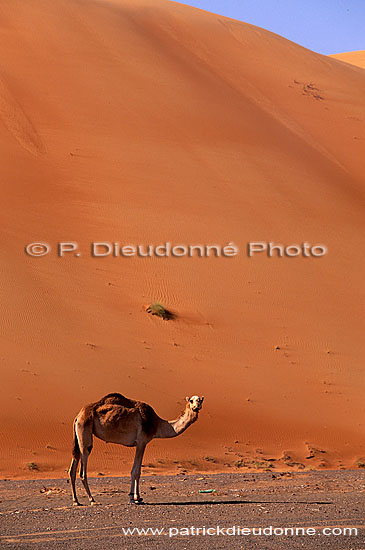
x=325 y=26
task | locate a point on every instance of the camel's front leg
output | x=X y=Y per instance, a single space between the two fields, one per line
x=134 y=496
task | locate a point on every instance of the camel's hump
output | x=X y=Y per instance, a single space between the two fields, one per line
x=117 y=399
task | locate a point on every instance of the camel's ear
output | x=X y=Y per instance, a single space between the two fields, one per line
x=202 y=399
x=187 y=399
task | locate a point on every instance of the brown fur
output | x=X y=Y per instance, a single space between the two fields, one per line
x=111 y=408
x=75 y=447
x=117 y=419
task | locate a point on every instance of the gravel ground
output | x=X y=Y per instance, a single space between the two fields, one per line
x=38 y=513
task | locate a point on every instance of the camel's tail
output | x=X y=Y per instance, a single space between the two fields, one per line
x=75 y=448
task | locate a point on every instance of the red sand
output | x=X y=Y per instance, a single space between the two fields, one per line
x=149 y=121
x=354 y=58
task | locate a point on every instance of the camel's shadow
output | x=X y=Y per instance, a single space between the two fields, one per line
x=212 y=502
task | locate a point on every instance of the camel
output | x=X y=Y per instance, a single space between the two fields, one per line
x=117 y=419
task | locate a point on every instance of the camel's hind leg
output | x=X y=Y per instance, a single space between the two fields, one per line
x=85 y=438
x=73 y=467
x=72 y=473
x=83 y=475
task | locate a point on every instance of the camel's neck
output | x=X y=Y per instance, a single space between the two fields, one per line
x=172 y=428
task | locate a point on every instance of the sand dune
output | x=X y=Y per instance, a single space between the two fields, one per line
x=149 y=121
x=354 y=58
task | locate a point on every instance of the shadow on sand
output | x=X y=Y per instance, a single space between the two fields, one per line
x=210 y=502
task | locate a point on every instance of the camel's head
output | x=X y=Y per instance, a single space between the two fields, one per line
x=195 y=403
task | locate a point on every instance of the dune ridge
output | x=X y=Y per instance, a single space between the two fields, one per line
x=150 y=121
x=356 y=58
